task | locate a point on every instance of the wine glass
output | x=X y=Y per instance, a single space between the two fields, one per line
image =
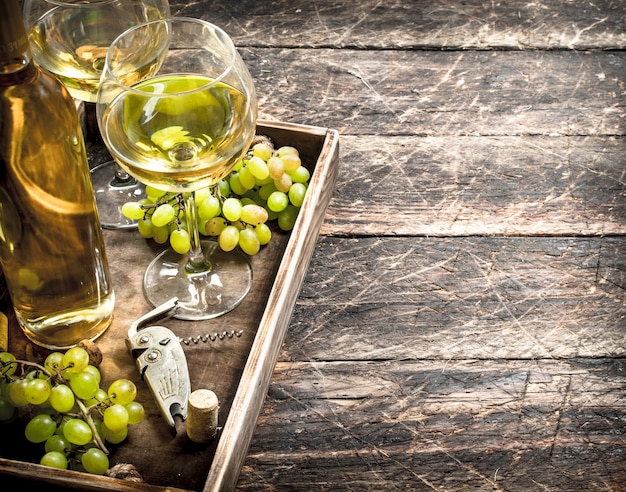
x=177 y=109
x=70 y=38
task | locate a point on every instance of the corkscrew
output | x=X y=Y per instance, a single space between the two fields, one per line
x=162 y=362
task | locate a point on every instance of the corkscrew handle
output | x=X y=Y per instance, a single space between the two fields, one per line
x=161 y=362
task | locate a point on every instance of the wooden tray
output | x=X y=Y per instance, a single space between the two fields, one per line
x=238 y=370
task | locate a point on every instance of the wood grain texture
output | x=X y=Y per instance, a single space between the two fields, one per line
x=425 y=93
x=458 y=186
x=441 y=425
x=399 y=24
x=461 y=325
x=462 y=322
x=441 y=299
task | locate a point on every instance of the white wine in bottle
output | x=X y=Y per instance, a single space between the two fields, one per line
x=51 y=245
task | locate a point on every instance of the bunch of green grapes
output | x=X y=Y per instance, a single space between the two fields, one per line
x=266 y=185
x=68 y=411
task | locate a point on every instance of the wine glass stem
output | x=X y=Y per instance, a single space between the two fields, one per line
x=198 y=262
x=122 y=178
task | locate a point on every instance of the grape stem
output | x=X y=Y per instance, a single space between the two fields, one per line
x=83 y=409
x=87 y=417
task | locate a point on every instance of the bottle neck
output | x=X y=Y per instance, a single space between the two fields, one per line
x=15 y=53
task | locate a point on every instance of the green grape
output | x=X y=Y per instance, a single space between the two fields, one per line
x=238 y=165
x=10 y=368
x=231 y=209
x=202 y=194
x=266 y=190
x=99 y=397
x=54 y=459
x=144 y=226
x=84 y=385
x=296 y=194
x=228 y=238
x=209 y=207
x=300 y=175
x=160 y=234
x=75 y=360
x=246 y=178
x=58 y=443
x=287 y=150
x=249 y=242
x=264 y=233
x=180 y=224
x=253 y=214
x=17 y=392
x=287 y=218
x=114 y=437
x=163 y=215
x=154 y=193
x=262 y=150
x=215 y=226
x=258 y=168
x=136 y=412
x=277 y=201
x=284 y=183
x=261 y=182
x=180 y=241
x=247 y=199
x=290 y=161
x=62 y=398
x=235 y=184
x=95 y=461
x=94 y=371
x=275 y=167
x=223 y=187
x=7 y=410
x=40 y=428
x=133 y=210
x=122 y=391
x=37 y=391
x=115 y=417
x=77 y=431
x=53 y=363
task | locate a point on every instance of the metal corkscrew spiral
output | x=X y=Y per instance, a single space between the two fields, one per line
x=211 y=337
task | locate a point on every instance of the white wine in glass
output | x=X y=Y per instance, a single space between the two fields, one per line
x=177 y=110
x=70 y=38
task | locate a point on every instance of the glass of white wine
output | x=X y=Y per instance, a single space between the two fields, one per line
x=70 y=38
x=177 y=109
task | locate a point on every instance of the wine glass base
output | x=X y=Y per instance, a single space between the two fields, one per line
x=200 y=295
x=111 y=195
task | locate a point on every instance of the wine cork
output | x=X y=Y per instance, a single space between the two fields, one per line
x=202 y=414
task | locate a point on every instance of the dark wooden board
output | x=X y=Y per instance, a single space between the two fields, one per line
x=401 y=24
x=429 y=93
x=505 y=425
x=461 y=298
x=458 y=186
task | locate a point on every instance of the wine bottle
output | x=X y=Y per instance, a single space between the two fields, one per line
x=52 y=250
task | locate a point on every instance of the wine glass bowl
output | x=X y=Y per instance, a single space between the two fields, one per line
x=70 y=38
x=177 y=110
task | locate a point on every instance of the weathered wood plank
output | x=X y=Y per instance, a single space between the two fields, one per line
x=411 y=298
x=445 y=186
x=437 y=425
x=443 y=93
x=370 y=24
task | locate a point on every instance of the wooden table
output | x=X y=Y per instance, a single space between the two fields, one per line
x=462 y=323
